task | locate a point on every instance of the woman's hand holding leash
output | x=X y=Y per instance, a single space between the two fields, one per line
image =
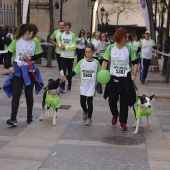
x=11 y=70
x=133 y=76
x=27 y=57
x=63 y=78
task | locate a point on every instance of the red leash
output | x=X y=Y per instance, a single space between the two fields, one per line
x=30 y=67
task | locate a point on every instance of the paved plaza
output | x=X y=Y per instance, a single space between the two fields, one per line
x=73 y=146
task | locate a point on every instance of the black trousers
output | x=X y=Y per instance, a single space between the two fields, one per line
x=17 y=86
x=144 y=66
x=117 y=91
x=87 y=105
x=67 y=64
x=58 y=61
x=113 y=100
x=2 y=55
x=80 y=54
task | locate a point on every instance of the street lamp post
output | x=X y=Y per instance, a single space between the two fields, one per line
x=92 y=7
x=102 y=10
x=106 y=16
x=61 y=8
x=56 y=5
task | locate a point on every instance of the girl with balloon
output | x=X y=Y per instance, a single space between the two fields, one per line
x=88 y=69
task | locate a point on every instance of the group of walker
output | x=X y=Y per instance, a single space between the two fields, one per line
x=94 y=55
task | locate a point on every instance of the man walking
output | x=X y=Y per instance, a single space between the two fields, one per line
x=67 y=44
x=54 y=40
x=145 y=46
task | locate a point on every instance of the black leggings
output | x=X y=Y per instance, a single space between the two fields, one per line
x=17 y=86
x=87 y=105
x=67 y=64
x=58 y=61
x=80 y=54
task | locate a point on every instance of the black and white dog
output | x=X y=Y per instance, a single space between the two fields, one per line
x=142 y=108
x=51 y=99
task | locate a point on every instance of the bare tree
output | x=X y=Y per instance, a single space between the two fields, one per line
x=19 y=19
x=123 y=6
x=153 y=31
x=50 y=32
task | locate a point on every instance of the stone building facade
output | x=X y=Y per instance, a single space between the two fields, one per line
x=78 y=12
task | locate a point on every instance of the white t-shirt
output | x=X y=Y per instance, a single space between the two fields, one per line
x=81 y=43
x=95 y=43
x=10 y=35
x=136 y=45
x=102 y=46
x=23 y=48
x=119 y=66
x=88 y=71
x=58 y=50
x=146 y=48
x=67 y=39
x=55 y=36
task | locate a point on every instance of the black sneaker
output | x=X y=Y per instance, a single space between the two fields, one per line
x=142 y=80
x=62 y=89
x=11 y=122
x=69 y=87
x=29 y=121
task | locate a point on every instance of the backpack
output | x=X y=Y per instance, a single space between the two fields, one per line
x=8 y=40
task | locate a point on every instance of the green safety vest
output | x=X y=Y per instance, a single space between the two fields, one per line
x=52 y=102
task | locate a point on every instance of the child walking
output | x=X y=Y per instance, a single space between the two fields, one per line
x=88 y=69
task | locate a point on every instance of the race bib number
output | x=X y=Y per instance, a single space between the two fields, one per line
x=20 y=60
x=119 y=72
x=88 y=75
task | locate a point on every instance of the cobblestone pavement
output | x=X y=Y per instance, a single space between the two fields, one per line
x=73 y=146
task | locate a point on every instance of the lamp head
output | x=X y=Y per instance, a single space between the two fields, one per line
x=56 y=5
x=102 y=11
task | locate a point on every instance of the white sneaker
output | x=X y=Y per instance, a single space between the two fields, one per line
x=88 y=122
x=84 y=116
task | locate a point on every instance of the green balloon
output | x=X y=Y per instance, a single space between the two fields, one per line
x=103 y=76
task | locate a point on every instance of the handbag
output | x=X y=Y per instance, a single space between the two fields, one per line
x=99 y=88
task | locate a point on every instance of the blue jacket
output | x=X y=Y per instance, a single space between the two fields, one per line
x=7 y=87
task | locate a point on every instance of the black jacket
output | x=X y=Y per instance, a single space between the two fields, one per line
x=125 y=85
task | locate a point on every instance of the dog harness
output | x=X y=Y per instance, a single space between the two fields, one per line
x=140 y=113
x=53 y=102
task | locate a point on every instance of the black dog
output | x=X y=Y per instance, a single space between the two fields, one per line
x=51 y=98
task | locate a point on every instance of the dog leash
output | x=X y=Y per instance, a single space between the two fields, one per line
x=30 y=68
x=139 y=94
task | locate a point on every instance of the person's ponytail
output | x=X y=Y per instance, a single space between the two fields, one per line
x=20 y=31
